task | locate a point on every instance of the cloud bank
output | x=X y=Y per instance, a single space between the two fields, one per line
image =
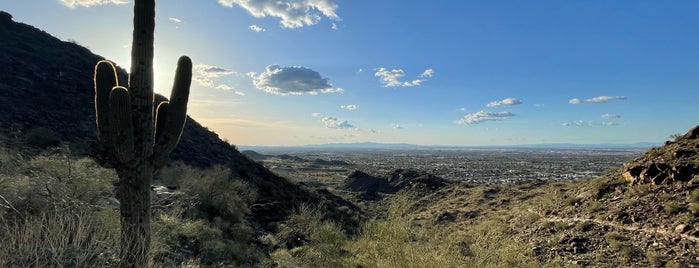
x=505 y=102
x=293 y=13
x=598 y=99
x=392 y=78
x=295 y=80
x=483 y=116
x=89 y=3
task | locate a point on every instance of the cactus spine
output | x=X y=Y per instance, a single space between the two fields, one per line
x=129 y=139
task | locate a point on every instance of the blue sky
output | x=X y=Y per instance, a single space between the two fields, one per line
x=440 y=72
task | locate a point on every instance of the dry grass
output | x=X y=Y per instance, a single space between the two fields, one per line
x=59 y=240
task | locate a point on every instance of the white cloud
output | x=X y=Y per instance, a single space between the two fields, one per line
x=317 y=115
x=463 y=109
x=293 y=13
x=256 y=28
x=334 y=27
x=239 y=93
x=483 y=116
x=223 y=87
x=427 y=73
x=295 y=80
x=332 y=122
x=505 y=102
x=208 y=76
x=396 y=126
x=588 y=123
x=598 y=99
x=610 y=116
x=175 y=20
x=350 y=107
x=392 y=78
x=89 y=3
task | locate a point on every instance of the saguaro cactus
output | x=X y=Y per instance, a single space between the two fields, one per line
x=129 y=139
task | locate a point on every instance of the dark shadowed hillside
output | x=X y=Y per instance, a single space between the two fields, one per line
x=46 y=87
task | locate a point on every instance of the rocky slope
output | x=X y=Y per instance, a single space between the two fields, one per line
x=676 y=161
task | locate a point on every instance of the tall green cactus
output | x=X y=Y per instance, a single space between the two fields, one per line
x=129 y=139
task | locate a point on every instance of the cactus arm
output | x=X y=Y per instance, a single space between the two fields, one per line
x=120 y=118
x=105 y=79
x=176 y=113
x=160 y=120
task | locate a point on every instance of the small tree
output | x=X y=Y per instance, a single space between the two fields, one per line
x=130 y=138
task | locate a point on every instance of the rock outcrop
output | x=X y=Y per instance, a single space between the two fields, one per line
x=675 y=161
x=361 y=182
x=400 y=179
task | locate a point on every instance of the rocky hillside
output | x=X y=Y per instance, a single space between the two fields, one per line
x=401 y=179
x=47 y=84
x=676 y=161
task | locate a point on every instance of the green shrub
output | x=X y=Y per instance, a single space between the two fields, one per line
x=205 y=225
x=41 y=137
x=310 y=241
x=672 y=207
x=693 y=196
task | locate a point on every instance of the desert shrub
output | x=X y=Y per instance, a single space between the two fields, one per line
x=571 y=201
x=57 y=181
x=205 y=225
x=177 y=240
x=308 y=240
x=55 y=212
x=693 y=208
x=41 y=137
x=672 y=207
x=218 y=194
x=693 y=196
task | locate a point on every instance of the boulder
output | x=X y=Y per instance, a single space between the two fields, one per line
x=692 y=134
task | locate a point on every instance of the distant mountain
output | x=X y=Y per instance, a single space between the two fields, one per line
x=407 y=146
x=47 y=84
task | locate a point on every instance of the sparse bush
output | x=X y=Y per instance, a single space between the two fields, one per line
x=672 y=207
x=693 y=196
x=571 y=201
x=655 y=259
x=41 y=137
x=693 y=208
x=310 y=241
